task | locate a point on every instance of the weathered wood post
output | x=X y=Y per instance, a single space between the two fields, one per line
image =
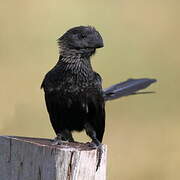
x=23 y=158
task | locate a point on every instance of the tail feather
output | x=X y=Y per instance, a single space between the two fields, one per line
x=126 y=88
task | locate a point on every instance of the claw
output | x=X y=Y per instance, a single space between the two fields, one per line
x=92 y=145
x=57 y=140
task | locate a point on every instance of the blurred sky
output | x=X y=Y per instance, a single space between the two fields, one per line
x=141 y=40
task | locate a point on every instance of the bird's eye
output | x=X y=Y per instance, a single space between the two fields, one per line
x=82 y=36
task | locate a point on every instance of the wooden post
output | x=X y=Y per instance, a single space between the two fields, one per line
x=23 y=158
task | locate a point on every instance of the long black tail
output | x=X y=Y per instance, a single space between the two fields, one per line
x=126 y=88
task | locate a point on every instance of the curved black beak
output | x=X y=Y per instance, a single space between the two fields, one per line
x=99 y=45
x=99 y=41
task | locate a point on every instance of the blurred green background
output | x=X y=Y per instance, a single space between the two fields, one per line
x=142 y=39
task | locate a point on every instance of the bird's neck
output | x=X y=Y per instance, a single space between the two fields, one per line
x=84 y=53
x=75 y=64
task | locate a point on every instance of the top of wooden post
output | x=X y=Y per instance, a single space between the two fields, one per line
x=37 y=159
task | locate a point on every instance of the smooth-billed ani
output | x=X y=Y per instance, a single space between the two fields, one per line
x=74 y=96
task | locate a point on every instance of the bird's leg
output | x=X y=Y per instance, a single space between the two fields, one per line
x=67 y=135
x=95 y=142
x=64 y=135
x=92 y=134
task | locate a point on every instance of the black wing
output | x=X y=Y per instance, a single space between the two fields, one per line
x=96 y=114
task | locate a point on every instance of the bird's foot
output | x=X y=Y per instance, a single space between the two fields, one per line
x=63 y=136
x=58 y=140
x=94 y=144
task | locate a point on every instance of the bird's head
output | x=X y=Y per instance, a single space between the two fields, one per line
x=81 y=39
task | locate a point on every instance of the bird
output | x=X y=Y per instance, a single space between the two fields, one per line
x=74 y=96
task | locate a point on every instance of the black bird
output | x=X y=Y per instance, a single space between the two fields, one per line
x=74 y=95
